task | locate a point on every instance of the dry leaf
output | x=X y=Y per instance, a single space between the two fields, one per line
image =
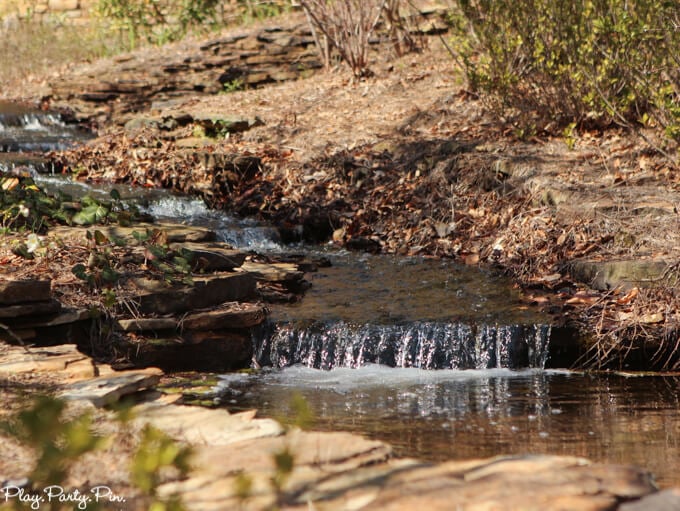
x=471 y=259
x=656 y=317
x=630 y=296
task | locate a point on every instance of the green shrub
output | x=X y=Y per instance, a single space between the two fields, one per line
x=157 y=22
x=589 y=62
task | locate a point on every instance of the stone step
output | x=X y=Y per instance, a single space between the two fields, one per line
x=156 y=297
x=63 y=362
x=176 y=233
x=228 y=316
x=273 y=272
x=211 y=256
x=106 y=390
x=29 y=309
x=14 y=291
x=63 y=317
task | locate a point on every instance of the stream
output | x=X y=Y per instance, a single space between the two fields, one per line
x=440 y=360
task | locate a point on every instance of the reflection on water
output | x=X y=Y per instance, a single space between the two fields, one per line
x=441 y=415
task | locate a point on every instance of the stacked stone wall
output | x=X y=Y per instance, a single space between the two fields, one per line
x=67 y=10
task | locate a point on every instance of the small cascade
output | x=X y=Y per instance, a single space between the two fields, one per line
x=239 y=233
x=25 y=129
x=424 y=345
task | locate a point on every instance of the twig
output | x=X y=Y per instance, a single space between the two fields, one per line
x=14 y=336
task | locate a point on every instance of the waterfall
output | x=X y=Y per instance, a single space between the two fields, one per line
x=425 y=345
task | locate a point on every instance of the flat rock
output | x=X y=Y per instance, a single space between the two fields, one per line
x=229 y=315
x=533 y=483
x=24 y=291
x=65 y=317
x=606 y=275
x=30 y=309
x=146 y=324
x=65 y=362
x=156 y=297
x=666 y=500
x=201 y=426
x=320 y=459
x=273 y=272
x=330 y=451
x=108 y=389
x=211 y=256
x=232 y=315
x=173 y=232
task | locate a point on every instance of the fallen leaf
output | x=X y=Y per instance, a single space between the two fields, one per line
x=656 y=317
x=629 y=297
x=471 y=259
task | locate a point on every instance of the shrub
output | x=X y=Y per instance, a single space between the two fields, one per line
x=157 y=22
x=588 y=62
x=347 y=26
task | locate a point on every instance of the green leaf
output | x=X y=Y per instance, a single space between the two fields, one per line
x=114 y=194
x=91 y=215
x=80 y=271
x=110 y=275
x=100 y=238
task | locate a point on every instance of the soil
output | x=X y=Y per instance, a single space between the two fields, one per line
x=409 y=161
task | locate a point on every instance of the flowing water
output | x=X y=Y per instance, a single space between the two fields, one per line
x=442 y=361
x=25 y=129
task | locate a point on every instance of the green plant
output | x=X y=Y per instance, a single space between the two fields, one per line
x=100 y=269
x=300 y=416
x=58 y=441
x=592 y=63
x=253 y=10
x=174 y=265
x=232 y=86
x=157 y=22
x=156 y=453
x=24 y=206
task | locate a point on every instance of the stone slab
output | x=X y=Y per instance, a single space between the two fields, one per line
x=606 y=275
x=228 y=316
x=666 y=500
x=273 y=272
x=65 y=362
x=30 y=309
x=24 y=291
x=205 y=292
x=205 y=427
x=108 y=389
x=519 y=483
x=232 y=315
x=211 y=256
x=146 y=324
x=64 y=317
x=174 y=232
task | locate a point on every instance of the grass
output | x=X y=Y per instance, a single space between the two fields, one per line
x=40 y=47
